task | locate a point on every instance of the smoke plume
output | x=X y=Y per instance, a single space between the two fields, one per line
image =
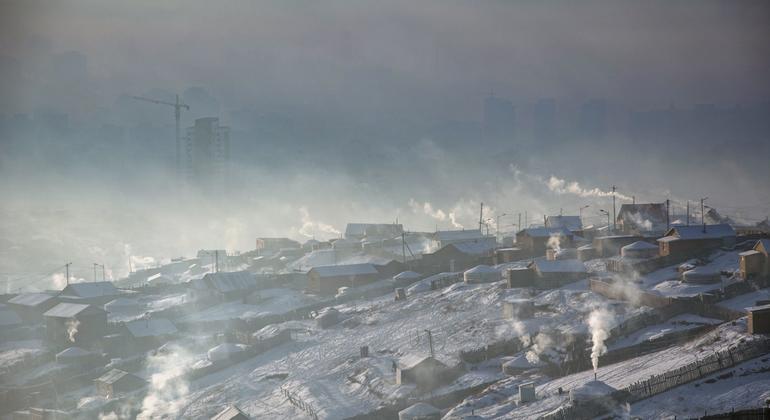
x=72 y=329
x=310 y=228
x=599 y=324
x=562 y=186
x=438 y=214
x=168 y=387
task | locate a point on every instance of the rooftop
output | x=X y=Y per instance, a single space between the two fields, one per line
x=90 y=290
x=345 y=270
x=150 y=327
x=69 y=310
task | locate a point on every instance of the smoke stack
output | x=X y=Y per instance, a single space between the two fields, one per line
x=595 y=376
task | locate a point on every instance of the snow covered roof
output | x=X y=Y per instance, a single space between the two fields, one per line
x=72 y=352
x=115 y=375
x=91 y=290
x=639 y=246
x=373 y=229
x=457 y=235
x=420 y=409
x=230 y=282
x=697 y=231
x=411 y=360
x=545 y=232
x=591 y=390
x=31 y=299
x=758 y=308
x=560 y=266
x=223 y=351
x=481 y=269
x=749 y=252
x=702 y=271
x=474 y=247
x=69 y=310
x=121 y=302
x=150 y=327
x=344 y=270
x=765 y=243
x=522 y=362
x=567 y=222
x=406 y=275
x=231 y=413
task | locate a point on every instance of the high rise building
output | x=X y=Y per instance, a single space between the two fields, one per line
x=207 y=155
x=499 y=118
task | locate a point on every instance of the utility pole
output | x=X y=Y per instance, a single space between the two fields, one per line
x=688 y=212
x=216 y=260
x=481 y=217
x=403 y=247
x=702 y=213
x=613 y=209
x=526 y=220
x=580 y=212
x=177 y=117
x=668 y=223
x=95 y=272
x=633 y=199
x=104 y=273
x=67 y=272
x=519 y=225
x=430 y=342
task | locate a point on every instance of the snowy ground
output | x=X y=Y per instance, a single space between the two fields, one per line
x=740 y=303
x=617 y=375
x=265 y=302
x=324 y=368
x=13 y=353
x=678 y=323
x=744 y=386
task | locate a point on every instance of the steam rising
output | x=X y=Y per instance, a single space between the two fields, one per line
x=310 y=228
x=72 y=329
x=438 y=214
x=599 y=324
x=168 y=387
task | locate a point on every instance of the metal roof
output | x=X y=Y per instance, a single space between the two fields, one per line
x=560 y=266
x=150 y=327
x=458 y=235
x=115 y=375
x=345 y=270
x=544 y=232
x=567 y=222
x=70 y=310
x=31 y=299
x=230 y=282
x=90 y=290
x=697 y=231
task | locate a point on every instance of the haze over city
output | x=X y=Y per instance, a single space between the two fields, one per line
x=297 y=120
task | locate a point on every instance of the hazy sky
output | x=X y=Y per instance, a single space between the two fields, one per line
x=428 y=56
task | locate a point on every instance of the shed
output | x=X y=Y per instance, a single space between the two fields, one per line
x=117 y=382
x=481 y=274
x=120 y=305
x=527 y=392
x=702 y=275
x=98 y=292
x=75 y=323
x=519 y=277
x=759 y=319
x=31 y=306
x=420 y=411
x=327 y=279
x=327 y=317
x=225 y=351
x=406 y=278
x=231 y=413
x=424 y=371
x=639 y=249
x=593 y=393
x=610 y=246
x=756 y=262
x=149 y=333
x=550 y=274
x=535 y=240
x=457 y=256
x=521 y=363
x=74 y=356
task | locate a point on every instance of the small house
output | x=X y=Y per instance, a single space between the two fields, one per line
x=642 y=219
x=327 y=279
x=457 y=256
x=420 y=411
x=702 y=275
x=521 y=363
x=506 y=255
x=231 y=413
x=117 y=382
x=610 y=246
x=406 y=278
x=424 y=371
x=520 y=277
x=443 y=238
x=149 y=333
x=535 y=240
x=96 y=293
x=481 y=274
x=756 y=262
x=586 y=252
x=571 y=223
x=273 y=245
x=759 y=319
x=68 y=323
x=31 y=306
x=225 y=352
x=557 y=273
x=222 y=286
x=685 y=241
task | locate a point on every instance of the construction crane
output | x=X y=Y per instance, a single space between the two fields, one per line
x=177 y=114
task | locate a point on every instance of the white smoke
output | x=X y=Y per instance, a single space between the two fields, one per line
x=640 y=222
x=168 y=388
x=310 y=228
x=600 y=323
x=562 y=186
x=554 y=242
x=540 y=344
x=438 y=214
x=72 y=329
